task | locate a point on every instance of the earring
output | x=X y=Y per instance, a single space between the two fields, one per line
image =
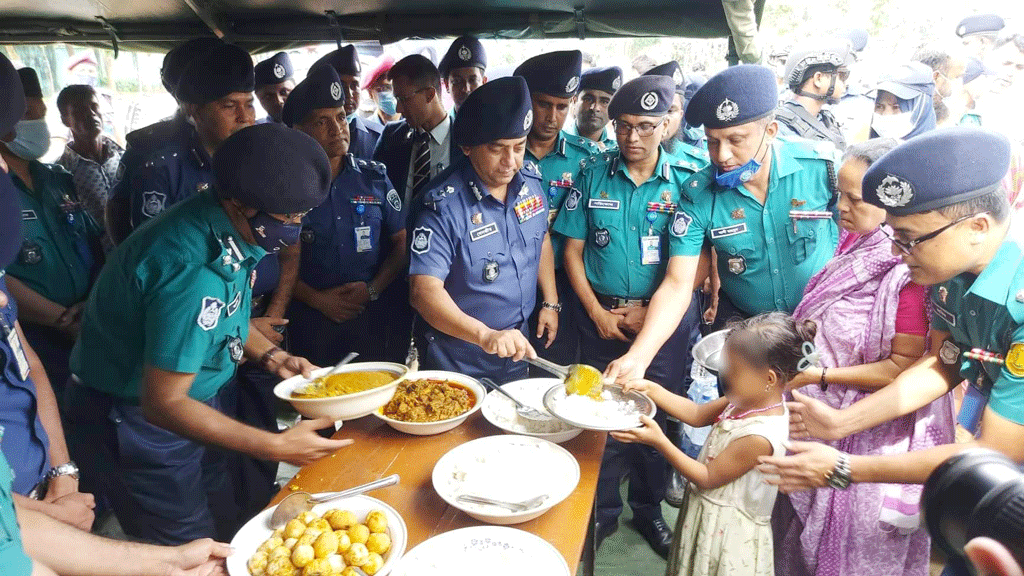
x=767 y=387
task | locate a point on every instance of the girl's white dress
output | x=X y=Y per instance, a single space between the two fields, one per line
x=727 y=531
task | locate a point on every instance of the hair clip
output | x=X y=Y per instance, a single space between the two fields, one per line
x=811 y=357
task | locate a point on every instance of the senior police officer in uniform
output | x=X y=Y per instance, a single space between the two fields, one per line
x=463 y=69
x=362 y=137
x=622 y=231
x=597 y=86
x=344 y=266
x=769 y=212
x=480 y=247
x=273 y=83
x=816 y=73
x=165 y=327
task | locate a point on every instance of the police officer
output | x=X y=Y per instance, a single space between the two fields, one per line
x=597 y=86
x=463 y=69
x=816 y=73
x=480 y=247
x=345 y=61
x=618 y=220
x=344 y=267
x=165 y=327
x=676 y=129
x=273 y=83
x=768 y=212
x=60 y=250
x=979 y=33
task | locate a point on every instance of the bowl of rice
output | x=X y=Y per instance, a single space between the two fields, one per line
x=612 y=410
x=501 y=412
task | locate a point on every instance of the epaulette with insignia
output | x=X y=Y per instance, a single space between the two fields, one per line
x=530 y=170
x=586 y=144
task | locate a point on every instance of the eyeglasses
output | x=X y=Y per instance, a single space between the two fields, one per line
x=843 y=74
x=907 y=247
x=403 y=99
x=643 y=129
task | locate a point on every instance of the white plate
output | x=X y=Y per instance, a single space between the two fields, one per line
x=560 y=482
x=256 y=532
x=644 y=405
x=346 y=406
x=431 y=428
x=490 y=550
x=500 y=411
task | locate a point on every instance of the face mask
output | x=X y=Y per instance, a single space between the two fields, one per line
x=31 y=140
x=893 y=125
x=743 y=174
x=387 y=103
x=272 y=234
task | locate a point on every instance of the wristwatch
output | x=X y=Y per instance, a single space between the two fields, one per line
x=550 y=306
x=372 y=292
x=840 y=478
x=67 y=469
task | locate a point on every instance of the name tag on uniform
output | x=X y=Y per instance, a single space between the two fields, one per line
x=11 y=335
x=603 y=204
x=728 y=231
x=363 y=242
x=650 y=250
x=29 y=215
x=483 y=232
x=946 y=315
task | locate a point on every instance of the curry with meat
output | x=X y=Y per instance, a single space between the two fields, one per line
x=344 y=383
x=429 y=401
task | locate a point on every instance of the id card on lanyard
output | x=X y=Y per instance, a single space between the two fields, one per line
x=14 y=342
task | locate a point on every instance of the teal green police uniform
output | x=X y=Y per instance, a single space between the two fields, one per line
x=605 y=143
x=13 y=559
x=558 y=170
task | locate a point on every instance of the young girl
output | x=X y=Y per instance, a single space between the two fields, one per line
x=726 y=527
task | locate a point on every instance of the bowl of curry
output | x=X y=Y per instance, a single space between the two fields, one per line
x=431 y=402
x=355 y=391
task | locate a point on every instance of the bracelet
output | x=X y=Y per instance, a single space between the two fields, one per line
x=822 y=383
x=269 y=355
x=374 y=295
x=550 y=306
x=840 y=477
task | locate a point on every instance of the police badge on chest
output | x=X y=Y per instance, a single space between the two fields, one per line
x=490 y=271
x=235 y=349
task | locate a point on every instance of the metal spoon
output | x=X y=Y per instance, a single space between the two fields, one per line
x=511 y=506
x=527 y=413
x=299 y=502
x=579 y=378
x=317 y=384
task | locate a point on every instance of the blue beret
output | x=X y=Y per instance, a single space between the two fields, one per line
x=673 y=71
x=320 y=89
x=858 y=38
x=179 y=57
x=936 y=169
x=272 y=168
x=222 y=70
x=980 y=24
x=499 y=110
x=604 y=79
x=465 y=52
x=12 y=97
x=552 y=73
x=10 y=220
x=30 y=82
x=975 y=68
x=908 y=80
x=273 y=70
x=734 y=96
x=643 y=96
x=833 y=53
x=345 y=61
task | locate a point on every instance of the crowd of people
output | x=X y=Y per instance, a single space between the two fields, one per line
x=857 y=242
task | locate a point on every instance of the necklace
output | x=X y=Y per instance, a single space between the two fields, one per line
x=747 y=413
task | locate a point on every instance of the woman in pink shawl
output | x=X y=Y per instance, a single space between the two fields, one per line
x=873 y=326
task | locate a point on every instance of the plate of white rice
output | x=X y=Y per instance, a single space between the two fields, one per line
x=501 y=412
x=613 y=410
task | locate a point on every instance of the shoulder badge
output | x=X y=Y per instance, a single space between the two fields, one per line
x=681 y=223
x=421 y=240
x=394 y=200
x=949 y=353
x=209 y=313
x=153 y=203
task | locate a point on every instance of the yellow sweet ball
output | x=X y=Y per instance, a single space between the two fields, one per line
x=258 y=564
x=318 y=567
x=308 y=537
x=379 y=543
x=281 y=552
x=307 y=517
x=282 y=567
x=326 y=544
x=290 y=543
x=359 y=533
x=350 y=571
x=376 y=521
x=337 y=564
x=270 y=544
x=294 y=528
x=340 y=519
x=302 y=555
x=356 y=555
x=344 y=542
x=279 y=533
x=320 y=524
x=374 y=562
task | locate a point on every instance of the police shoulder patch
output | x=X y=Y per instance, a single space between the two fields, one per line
x=209 y=313
x=680 y=223
x=153 y=203
x=421 y=239
x=394 y=200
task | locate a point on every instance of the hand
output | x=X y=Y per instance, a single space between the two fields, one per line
x=547 y=321
x=629 y=366
x=355 y=293
x=288 y=366
x=199 y=558
x=642 y=386
x=809 y=466
x=810 y=376
x=60 y=486
x=301 y=445
x=75 y=509
x=990 y=558
x=71 y=319
x=648 y=433
x=810 y=418
x=507 y=344
x=333 y=304
x=607 y=323
x=711 y=288
x=265 y=325
x=632 y=318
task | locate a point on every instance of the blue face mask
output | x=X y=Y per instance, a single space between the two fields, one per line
x=387 y=103
x=272 y=234
x=739 y=176
x=31 y=139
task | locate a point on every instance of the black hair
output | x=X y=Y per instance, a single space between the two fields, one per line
x=419 y=70
x=995 y=203
x=70 y=93
x=871 y=150
x=774 y=340
x=936 y=59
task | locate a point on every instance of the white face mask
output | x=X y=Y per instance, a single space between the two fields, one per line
x=892 y=125
x=31 y=139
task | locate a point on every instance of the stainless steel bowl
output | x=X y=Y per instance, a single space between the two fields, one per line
x=708 y=352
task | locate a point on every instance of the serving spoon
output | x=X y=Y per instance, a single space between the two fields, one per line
x=299 y=502
x=579 y=378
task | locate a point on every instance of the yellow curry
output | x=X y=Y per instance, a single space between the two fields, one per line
x=343 y=383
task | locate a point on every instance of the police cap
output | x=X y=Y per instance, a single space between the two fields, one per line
x=736 y=95
x=553 y=73
x=465 y=52
x=643 y=96
x=320 y=89
x=222 y=70
x=273 y=70
x=499 y=110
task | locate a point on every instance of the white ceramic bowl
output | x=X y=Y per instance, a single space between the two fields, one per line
x=255 y=532
x=520 y=457
x=347 y=406
x=500 y=411
x=431 y=428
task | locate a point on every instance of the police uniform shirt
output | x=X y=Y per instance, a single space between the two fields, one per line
x=605 y=143
x=341 y=238
x=362 y=140
x=56 y=258
x=486 y=252
x=987 y=312
x=766 y=256
x=139 y=144
x=12 y=555
x=614 y=216
x=176 y=295
x=172 y=173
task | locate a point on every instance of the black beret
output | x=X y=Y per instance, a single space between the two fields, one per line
x=222 y=70
x=605 y=79
x=907 y=80
x=273 y=70
x=181 y=56
x=980 y=24
x=272 y=168
x=10 y=220
x=552 y=73
x=673 y=71
x=643 y=96
x=320 y=89
x=833 y=52
x=936 y=169
x=345 y=61
x=12 y=97
x=975 y=68
x=499 y=110
x=465 y=52
x=30 y=82
x=734 y=96
x=858 y=38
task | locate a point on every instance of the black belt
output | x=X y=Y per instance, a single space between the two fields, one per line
x=611 y=302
